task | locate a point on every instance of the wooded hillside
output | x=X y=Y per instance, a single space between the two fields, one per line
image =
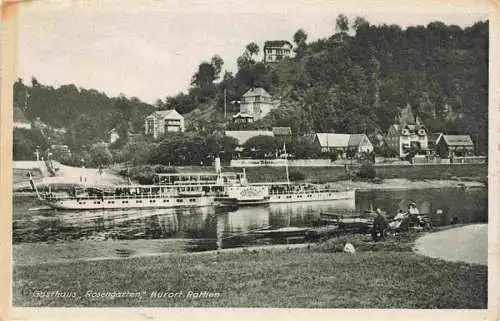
x=355 y=81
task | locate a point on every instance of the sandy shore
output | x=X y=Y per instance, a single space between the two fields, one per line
x=76 y=175
x=403 y=183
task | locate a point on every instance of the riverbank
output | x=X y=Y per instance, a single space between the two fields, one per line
x=386 y=276
x=478 y=172
x=406 y=184
x=73 y=176
x=408 y=172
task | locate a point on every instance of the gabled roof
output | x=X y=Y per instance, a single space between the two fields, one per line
x=310 y=137
x=434 y=137
x=243 y=135
x=19 y=116
x=171 y=114
x=406 y=115
x=282 y=131
x=242 y=115
x=355 y=139
x=458 y=140
x=412 y=128
x=333 y=140
x=277 y=43
x=256 y=92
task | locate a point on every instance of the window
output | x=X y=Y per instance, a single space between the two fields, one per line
x=138 y=201
x=179 y=200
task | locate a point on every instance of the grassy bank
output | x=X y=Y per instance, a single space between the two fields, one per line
x=381 y=275
x=331 y=174
x=416 y=172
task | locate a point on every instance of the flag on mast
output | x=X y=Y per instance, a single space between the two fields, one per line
x=286 y=164
x=33 y=186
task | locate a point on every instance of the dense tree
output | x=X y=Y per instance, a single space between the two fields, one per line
x=300 y=38
x=261 y=146
x=253 y=49
x=100 y=155
x=348 y=82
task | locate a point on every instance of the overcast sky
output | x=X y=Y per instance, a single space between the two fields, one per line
x=151 y=50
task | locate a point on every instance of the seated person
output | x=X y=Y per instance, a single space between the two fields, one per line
x=398 y=219
x=412 y=209
x=400 y=215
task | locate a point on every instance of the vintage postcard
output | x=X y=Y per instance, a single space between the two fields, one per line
x=322 y=158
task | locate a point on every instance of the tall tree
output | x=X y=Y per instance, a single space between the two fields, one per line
x=300 y=38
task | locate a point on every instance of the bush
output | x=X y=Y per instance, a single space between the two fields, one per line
x=333 y=155
x=367 y=170
x=162 y=169
x=297 y=176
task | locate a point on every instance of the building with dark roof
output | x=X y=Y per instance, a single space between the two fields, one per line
x=255 y=104
x=406 y=134
x=454 y=145
x=345 y=145
x=163 y=121
x=277 y=50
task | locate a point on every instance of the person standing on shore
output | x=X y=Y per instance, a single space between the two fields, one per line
x=379 y=225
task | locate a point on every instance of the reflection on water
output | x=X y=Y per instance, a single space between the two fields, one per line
x=210 y=229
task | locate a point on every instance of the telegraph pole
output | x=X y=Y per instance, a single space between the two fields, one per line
x=225 y=105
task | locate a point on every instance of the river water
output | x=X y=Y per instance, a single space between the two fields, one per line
x=206 y=228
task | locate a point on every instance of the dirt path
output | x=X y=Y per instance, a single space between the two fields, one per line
x=468 y=244
x=76 y=175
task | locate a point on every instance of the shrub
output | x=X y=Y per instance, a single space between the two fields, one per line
x=162 y=169
x=333 y=155
x=297 y=176
x=367 y=170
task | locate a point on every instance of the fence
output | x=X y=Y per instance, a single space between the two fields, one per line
x=281 y=162
x=430 y=161
x=470 y=160
x=341 y=163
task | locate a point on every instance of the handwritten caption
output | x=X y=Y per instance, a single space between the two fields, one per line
x=111 y=295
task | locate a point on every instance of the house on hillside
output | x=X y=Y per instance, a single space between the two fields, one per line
x=113 y=135
x=242 y=118
x=163 y=121
x=277 y=50
x=255 y=104
x=407 y=133
x=454 y=146
x=20 y=120
x=345 y=145
x=282 y=131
